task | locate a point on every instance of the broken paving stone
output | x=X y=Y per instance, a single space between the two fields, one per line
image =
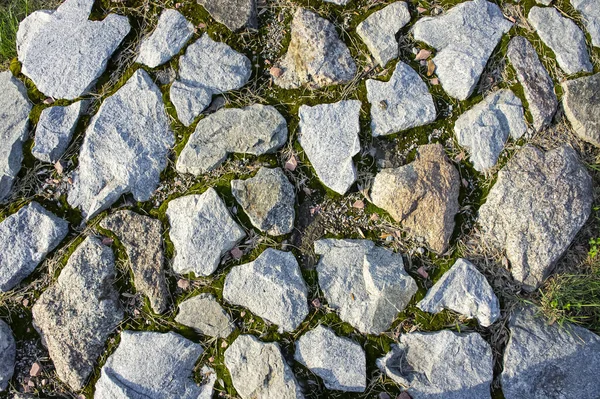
x=55 y=130
x=234 y=14
x=271 y=287
x=329 y=137
x=401 y=103
x=465 y=37
x=339 y=361
x=581 y=103
x=202 y=231
x=205 y=315
x=590 y=11
x=535 y=209
x=366 y=284
x=8 y=353
x=189 y=101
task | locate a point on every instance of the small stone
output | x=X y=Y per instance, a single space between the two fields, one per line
x=292 y=163
x=590 y=11
x=35 y=370
x=8 y=353
x=421 y=270
x=276 y=72
x=234 y=14
x=189 y=101
x=183 y=284
x=338 y=2
x=422 y=55
x=60 y=166
x=358 y=204
x=54 y=131
x=340 y=362
x=236 y=253
x=204 y=314
x=581 y=104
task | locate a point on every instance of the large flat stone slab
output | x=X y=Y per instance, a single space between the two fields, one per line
x=54 y=131
x=8 y=353
x=205 y=315
x=590 y=11
x=234 y=14
x=581 y=103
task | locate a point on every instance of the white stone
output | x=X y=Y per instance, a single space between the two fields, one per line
x=55 y=130
x=189 y=101
x=205 y=315
x=590 y=11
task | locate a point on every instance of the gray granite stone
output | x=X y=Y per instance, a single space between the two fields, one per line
x=234 y=14
x=581 y=103
x=590 y=11
x=204 y=314
x=55 y=130
x=8 y=353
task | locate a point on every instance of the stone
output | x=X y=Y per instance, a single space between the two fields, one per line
x=581 y=103
x=590 y=11
x=464 y=290
x=316 y=57
x=339 y=361
x=268 y=199
x=26 y=237
x=549 y=361
x=204 y=314
x=271 y=287
x=77 y=314
x=14 y=127
x=537 y=84
x=202 y=231
x=379 y=29
x=189 y=101
x=63 y=52
x=152 y=365
x=55 y=130
x=441 y=365
x=484 y=129
x=125 y=148
x=256 y=130
x=564 y=38
x=338 y=2
x=535 y=209
x=422 y=196
x=234 y=14
x=544 y=2
x=258 y=370
x=8 y=353
x=172 y=33
x=401 y=103
x=142 y=238
x=366 y=284
x=329 y=137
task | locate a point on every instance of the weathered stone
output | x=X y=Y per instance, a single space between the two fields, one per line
x=271 y=287
x=14 y=124
x=142 y=238
x=338 y=2
x=63 y=52
x=26 y=237
x=125 y=148
x=152 y=365
x=204 y=314
x=256 y=130
x=379 y=30
x=172 y=33
x=544 y=361
x=590 y=11
x=484 y=129
x=365 y=283
x=189 y=101
x=401 y=103
x=329 y=137
x=441 y=365
x=234 y=14
x=202 y=231
x=538 y=204
x=422 y=196
x=316 y=57
x=564 y=38
x=268 y=199
x=537 y=84
x=544 y=2
x=55 y=130
x=581 y=103
x=8 y=353
x=77 y=314
x=258 y=370
x=465 y=290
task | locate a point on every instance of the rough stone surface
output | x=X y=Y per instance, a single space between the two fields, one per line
x=8 y=352
x=329 y=137
x=256 y=130
x=63 y=52
x=189 y=101
x=465 y=37
x=204 y=314
x=14 y=123
x=544 y=361
x=268 y=199
x=271 y=287
x=234 y=14
x=77 y=314
x=258 y=370
x=379 y=30
x=581 y=102
x=441 y=365
x=340 y=362
x=422 y=196
x=564 y=38
x=54 y=131
x=125 y=148
x=26 y=237
x=316 y=57
x=401 y=103
x=151 y=365
x=590 y=10
x=465 y=290
x=537 y=84
x=538 y=204
x=484 y=129
x=202 y=231
x=365 y=283
x=142 y=238
x=172 y=33
x=338 y=2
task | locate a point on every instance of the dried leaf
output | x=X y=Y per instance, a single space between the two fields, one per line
x=422 y=272
x=359 y=204
x=430 y=67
